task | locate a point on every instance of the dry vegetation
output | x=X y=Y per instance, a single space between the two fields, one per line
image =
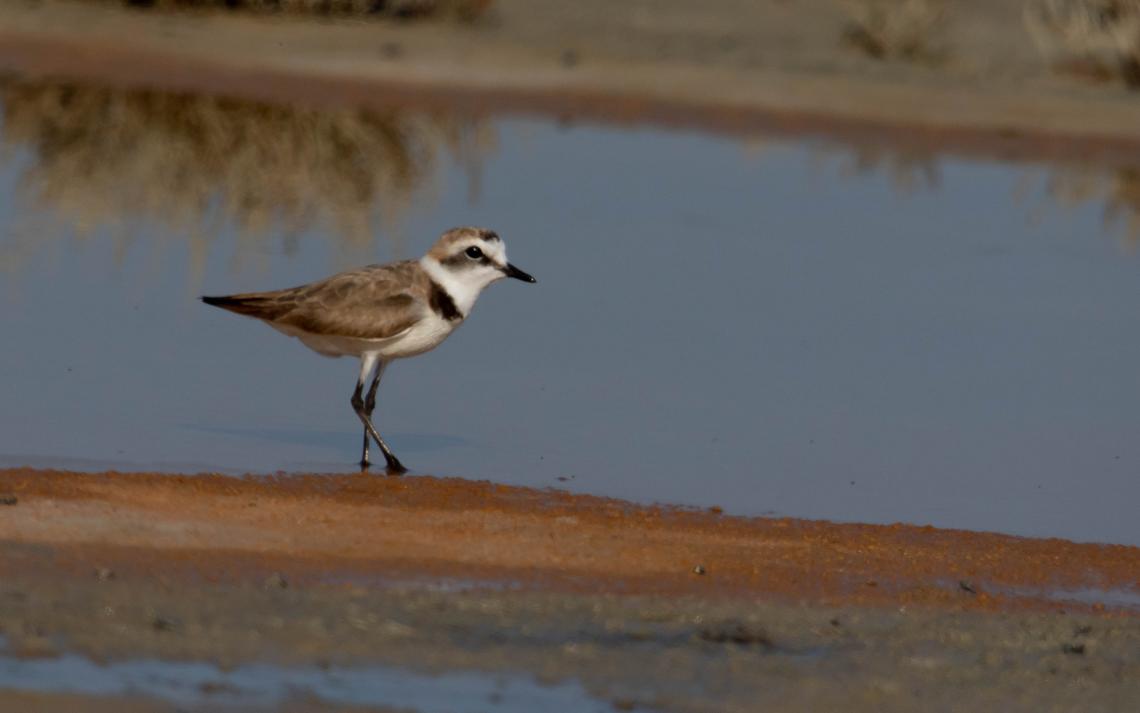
x=407 y=9
x=1095 y=38
x=106 y=158
x=909 y=30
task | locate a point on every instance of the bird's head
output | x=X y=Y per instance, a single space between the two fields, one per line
x=465 y=260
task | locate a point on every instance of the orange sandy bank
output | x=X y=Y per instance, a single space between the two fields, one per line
x=371 y=528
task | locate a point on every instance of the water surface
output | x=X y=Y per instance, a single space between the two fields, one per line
x=204 y=686
x=794 y=329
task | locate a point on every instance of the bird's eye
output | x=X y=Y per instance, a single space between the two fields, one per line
x=474 y=252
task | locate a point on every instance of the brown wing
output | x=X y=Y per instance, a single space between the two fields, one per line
x=374 y=302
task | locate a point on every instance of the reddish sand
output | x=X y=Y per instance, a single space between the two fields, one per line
x=370 y=528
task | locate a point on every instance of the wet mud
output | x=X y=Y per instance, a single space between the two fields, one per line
x=374 y=526
x=643 y=607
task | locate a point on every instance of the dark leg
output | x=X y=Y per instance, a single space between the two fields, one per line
x=369 y=407
x=365 y=461
x=364 y=409
x=367 y=363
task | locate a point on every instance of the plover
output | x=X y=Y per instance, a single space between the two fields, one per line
x=383 y=312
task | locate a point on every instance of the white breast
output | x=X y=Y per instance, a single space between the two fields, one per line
x=423 y=336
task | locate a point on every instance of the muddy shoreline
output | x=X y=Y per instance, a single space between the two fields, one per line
x=436 y=575
x=329 y=527
x=683 y=654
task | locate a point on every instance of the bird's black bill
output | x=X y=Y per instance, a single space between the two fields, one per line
x=518 y=274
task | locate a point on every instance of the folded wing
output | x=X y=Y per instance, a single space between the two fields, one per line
x=375 y=302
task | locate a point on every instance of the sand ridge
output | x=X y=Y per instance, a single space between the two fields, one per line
x=329 y=526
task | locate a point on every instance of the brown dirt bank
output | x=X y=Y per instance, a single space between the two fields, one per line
x=682 y=654
x=772 y=68
x=368 y=528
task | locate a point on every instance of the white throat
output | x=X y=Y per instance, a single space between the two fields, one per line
x=463 y=292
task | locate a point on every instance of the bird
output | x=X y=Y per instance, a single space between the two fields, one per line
x=379 y=313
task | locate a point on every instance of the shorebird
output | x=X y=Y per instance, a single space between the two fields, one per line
x=383 y=312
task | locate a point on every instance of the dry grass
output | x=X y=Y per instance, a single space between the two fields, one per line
x=111 y=159
x=908 y=30
x=1096 y=38
x=407 y=9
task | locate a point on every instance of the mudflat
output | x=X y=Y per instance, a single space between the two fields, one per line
x=671 y=608
x=423 y=527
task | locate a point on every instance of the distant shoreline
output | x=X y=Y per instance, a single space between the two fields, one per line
x=445 y=67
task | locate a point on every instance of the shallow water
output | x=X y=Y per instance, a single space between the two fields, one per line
x=1115 y=598
x=203 y=686
x=792 y=329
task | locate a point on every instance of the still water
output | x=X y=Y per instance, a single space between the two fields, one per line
x=205 y=687
x=775 y=328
